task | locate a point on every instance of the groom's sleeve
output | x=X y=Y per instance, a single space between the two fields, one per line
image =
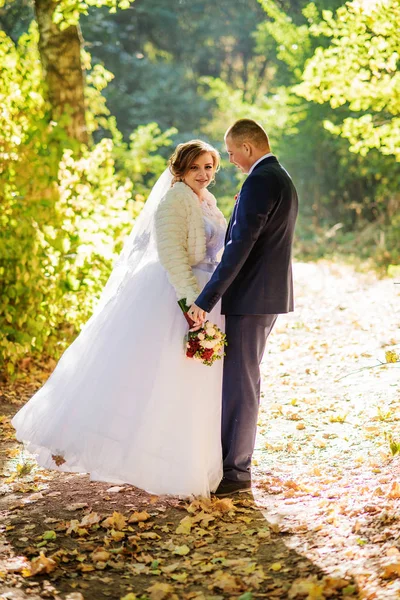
x=257 y=198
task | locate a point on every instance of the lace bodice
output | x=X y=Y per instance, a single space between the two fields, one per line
x=215 y=228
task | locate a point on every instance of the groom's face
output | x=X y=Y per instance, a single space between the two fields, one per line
x=238 y=154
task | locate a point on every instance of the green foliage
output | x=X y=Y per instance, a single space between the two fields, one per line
x=292 y=41
x=359 y=69
x=139 y=160
x=161 y=51
x=63 y=214
x=97 y=112
x=349 y=200
x=68 y=12
x=281 y=109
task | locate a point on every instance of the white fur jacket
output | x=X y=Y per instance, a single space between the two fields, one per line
x=181 y=237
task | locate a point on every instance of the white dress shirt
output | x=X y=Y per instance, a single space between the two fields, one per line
x=258 y=161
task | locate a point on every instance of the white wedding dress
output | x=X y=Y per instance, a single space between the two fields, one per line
x=124 y=404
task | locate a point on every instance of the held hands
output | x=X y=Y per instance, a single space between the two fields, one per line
x=198 y=315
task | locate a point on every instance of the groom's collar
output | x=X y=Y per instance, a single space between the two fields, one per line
x=269 y=155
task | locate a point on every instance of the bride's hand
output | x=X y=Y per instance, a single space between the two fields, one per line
x=198 y=316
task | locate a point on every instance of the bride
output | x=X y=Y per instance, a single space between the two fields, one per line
x=124 y=404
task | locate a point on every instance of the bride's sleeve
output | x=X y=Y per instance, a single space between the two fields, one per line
x=171 y=222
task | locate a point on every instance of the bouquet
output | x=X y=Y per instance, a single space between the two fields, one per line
x=207 y=343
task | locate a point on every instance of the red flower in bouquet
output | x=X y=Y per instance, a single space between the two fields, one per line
x=206 y=344
x=207 y=354
x=192 y=347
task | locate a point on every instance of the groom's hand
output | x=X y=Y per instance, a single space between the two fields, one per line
x=198 y=315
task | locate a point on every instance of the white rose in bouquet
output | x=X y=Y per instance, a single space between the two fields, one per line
x=207 y=344
x=201 y=336
x=215 y=343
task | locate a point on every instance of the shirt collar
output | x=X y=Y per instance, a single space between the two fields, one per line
x=258 y=161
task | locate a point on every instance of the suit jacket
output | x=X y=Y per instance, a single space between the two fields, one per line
x=255 y=273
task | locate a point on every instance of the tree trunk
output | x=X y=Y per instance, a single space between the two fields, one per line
x=60 y=54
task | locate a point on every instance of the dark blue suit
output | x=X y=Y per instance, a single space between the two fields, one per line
x=254 y=280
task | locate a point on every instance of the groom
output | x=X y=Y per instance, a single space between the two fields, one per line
x=254 y=280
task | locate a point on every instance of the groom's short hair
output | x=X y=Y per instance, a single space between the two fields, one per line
x=247 y=130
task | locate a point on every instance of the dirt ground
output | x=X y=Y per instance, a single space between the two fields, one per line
x=323 y=520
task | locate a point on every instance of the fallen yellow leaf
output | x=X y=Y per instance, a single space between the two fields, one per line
x=394 y=491
x=223 y=505
x=117 y=521
x=91 y=519
x=41 y=564
x=159 y=591
x=181 y=550
x=226 y=582
x=185 y=526
x=137 y=517
x=117 y=536
x=309 y=587
x=390 y=570
x=85 y=568
x=100 y=555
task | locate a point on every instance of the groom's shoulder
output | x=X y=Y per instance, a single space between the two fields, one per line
x=269 y=171
x=263 y=174
x=269 y=165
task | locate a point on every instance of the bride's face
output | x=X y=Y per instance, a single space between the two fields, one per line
x=200 y=173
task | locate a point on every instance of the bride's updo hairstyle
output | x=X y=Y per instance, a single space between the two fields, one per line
x=185 y=155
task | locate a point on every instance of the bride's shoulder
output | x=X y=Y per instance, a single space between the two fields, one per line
x=179 y=190
x=175 y=202
x=178 y=198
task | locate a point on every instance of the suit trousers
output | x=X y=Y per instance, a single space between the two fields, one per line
x=246 y=337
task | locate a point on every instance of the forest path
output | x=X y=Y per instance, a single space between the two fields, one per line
x=324 y=517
